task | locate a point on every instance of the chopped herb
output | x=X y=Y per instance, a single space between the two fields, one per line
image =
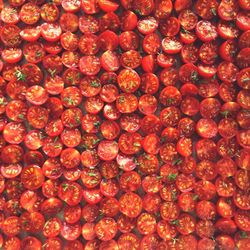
x=172 y=177
x=13 y=11
x=157 y=214
x=159 y=177
x=21 y=116
x=69 y=100
x=195 y=197
x=95 y=84
x=137 y=144
x=91 y=174
x=148 y=157
x=175 y=222
x=65 y=186
x=85 y=146
x=46 y=223
x=78 y=75
x=225 y=113
x=77 y=119
x=15 y=205
x=194 y=76
x=138 y=12
x=177 y=161
x=2 y=100
x=128 y=178
x=246 y=79
x=214 y=76
x=174 y=240
x=100 y=216
x=25 y=222
x=243 y=235
x=38 y=54
x=20 y=75
x=139 y=93
x=167 y=115
x=121 y=99
x=95 y=141
x=232 y=24
x=52 y=72
x=213 y=10
x=96 y=124
x=185 y=31
x=163 y=139
x=169 y=101
x=70 y=78
x=174 y=195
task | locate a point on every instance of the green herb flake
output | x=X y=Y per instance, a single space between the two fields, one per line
x=213 y=10
x=20 y=75
x=175 y=222
x=95 y=84
x=177 y=161
x=195 y=197
x=172 y=177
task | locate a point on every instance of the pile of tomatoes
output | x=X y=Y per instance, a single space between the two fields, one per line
x=125 y=125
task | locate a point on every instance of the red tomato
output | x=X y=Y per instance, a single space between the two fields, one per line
x=130 y=204
x=228 y=10
x=147 y=25
x=51 y=32
x=31 y=34
x=163 y=9
x=106 y=229
x=29 y=13
x=11 y=226
x=30 y=242
x=107 y=150
x=170 y=27
x=89 y=65
x=70 y=192
x=206 y=31
x=109 y=61
x=10 y=35
x=171 y=45
x=188 y=19
x=225 y=241
x=71 y=6
x=206 y=9
x=49 y=12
